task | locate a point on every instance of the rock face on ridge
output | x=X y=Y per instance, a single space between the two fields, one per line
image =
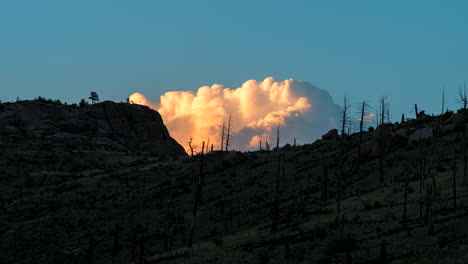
x=109 y=125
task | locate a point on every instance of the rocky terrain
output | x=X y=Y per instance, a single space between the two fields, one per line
x=400 y=196
x=104 y=125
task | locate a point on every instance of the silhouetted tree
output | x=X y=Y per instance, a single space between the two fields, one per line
x=416 y=111
x=197 y=196
x=405 y=201
x=222 y=136
x=430 y=225
x=277 y=139
x=345 y=117
x=364 y=109
x=191 y=147
x=383 y=110
x=83 y=103
x=228 y=135
x=94 y=97
x=443 y=100
x=275 y=214
x=463 y=99
x=454 y=181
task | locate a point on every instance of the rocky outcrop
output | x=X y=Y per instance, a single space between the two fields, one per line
x=423 y=117
x=332 y=134
x=420 y=134
x=118 y=126
x=449 y=128
x=382 y=139
x=455 y=119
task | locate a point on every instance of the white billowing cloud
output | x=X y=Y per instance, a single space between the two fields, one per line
x=302 y=111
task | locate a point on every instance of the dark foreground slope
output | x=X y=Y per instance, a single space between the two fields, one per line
x=66 y=205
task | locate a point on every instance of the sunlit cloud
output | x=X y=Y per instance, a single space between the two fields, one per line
x=257 y=108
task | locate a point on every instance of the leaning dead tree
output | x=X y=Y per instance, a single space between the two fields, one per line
x=228 y=135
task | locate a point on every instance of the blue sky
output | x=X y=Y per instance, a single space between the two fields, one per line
x=405 y=50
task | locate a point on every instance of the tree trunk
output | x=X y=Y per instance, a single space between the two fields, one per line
x=406 y=202
x=197 y=197
x=274 y=224
x=115 y=251
x=361 y=124
x=416 y=111
x=325 y=184
x=454 y=181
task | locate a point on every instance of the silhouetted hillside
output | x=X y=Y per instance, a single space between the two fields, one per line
x=400 y=198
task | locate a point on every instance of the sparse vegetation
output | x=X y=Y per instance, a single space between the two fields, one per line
x=87 y=203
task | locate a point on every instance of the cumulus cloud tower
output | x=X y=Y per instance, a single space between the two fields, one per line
x=302 y=111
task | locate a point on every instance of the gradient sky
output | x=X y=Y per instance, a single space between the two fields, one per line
x=404 y=49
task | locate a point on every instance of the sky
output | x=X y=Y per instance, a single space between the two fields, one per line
x=405 y=50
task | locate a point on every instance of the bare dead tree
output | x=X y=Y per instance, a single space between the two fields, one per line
x=416 y=111
x=443 y=100
x=228 y=135
x=275 y=215
x=284 y=173
x=405 y=201
x=277 y=139
x=267 y=147
x=383 y=109
x=454 y=181
x=345 y=117
x=325 y=184
x=197 y=196
x=364 y=109
x=463 y=99
x=429 y=222
x=222 y=136
x=191 y=147
x=344 y=113
x=421 y=167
